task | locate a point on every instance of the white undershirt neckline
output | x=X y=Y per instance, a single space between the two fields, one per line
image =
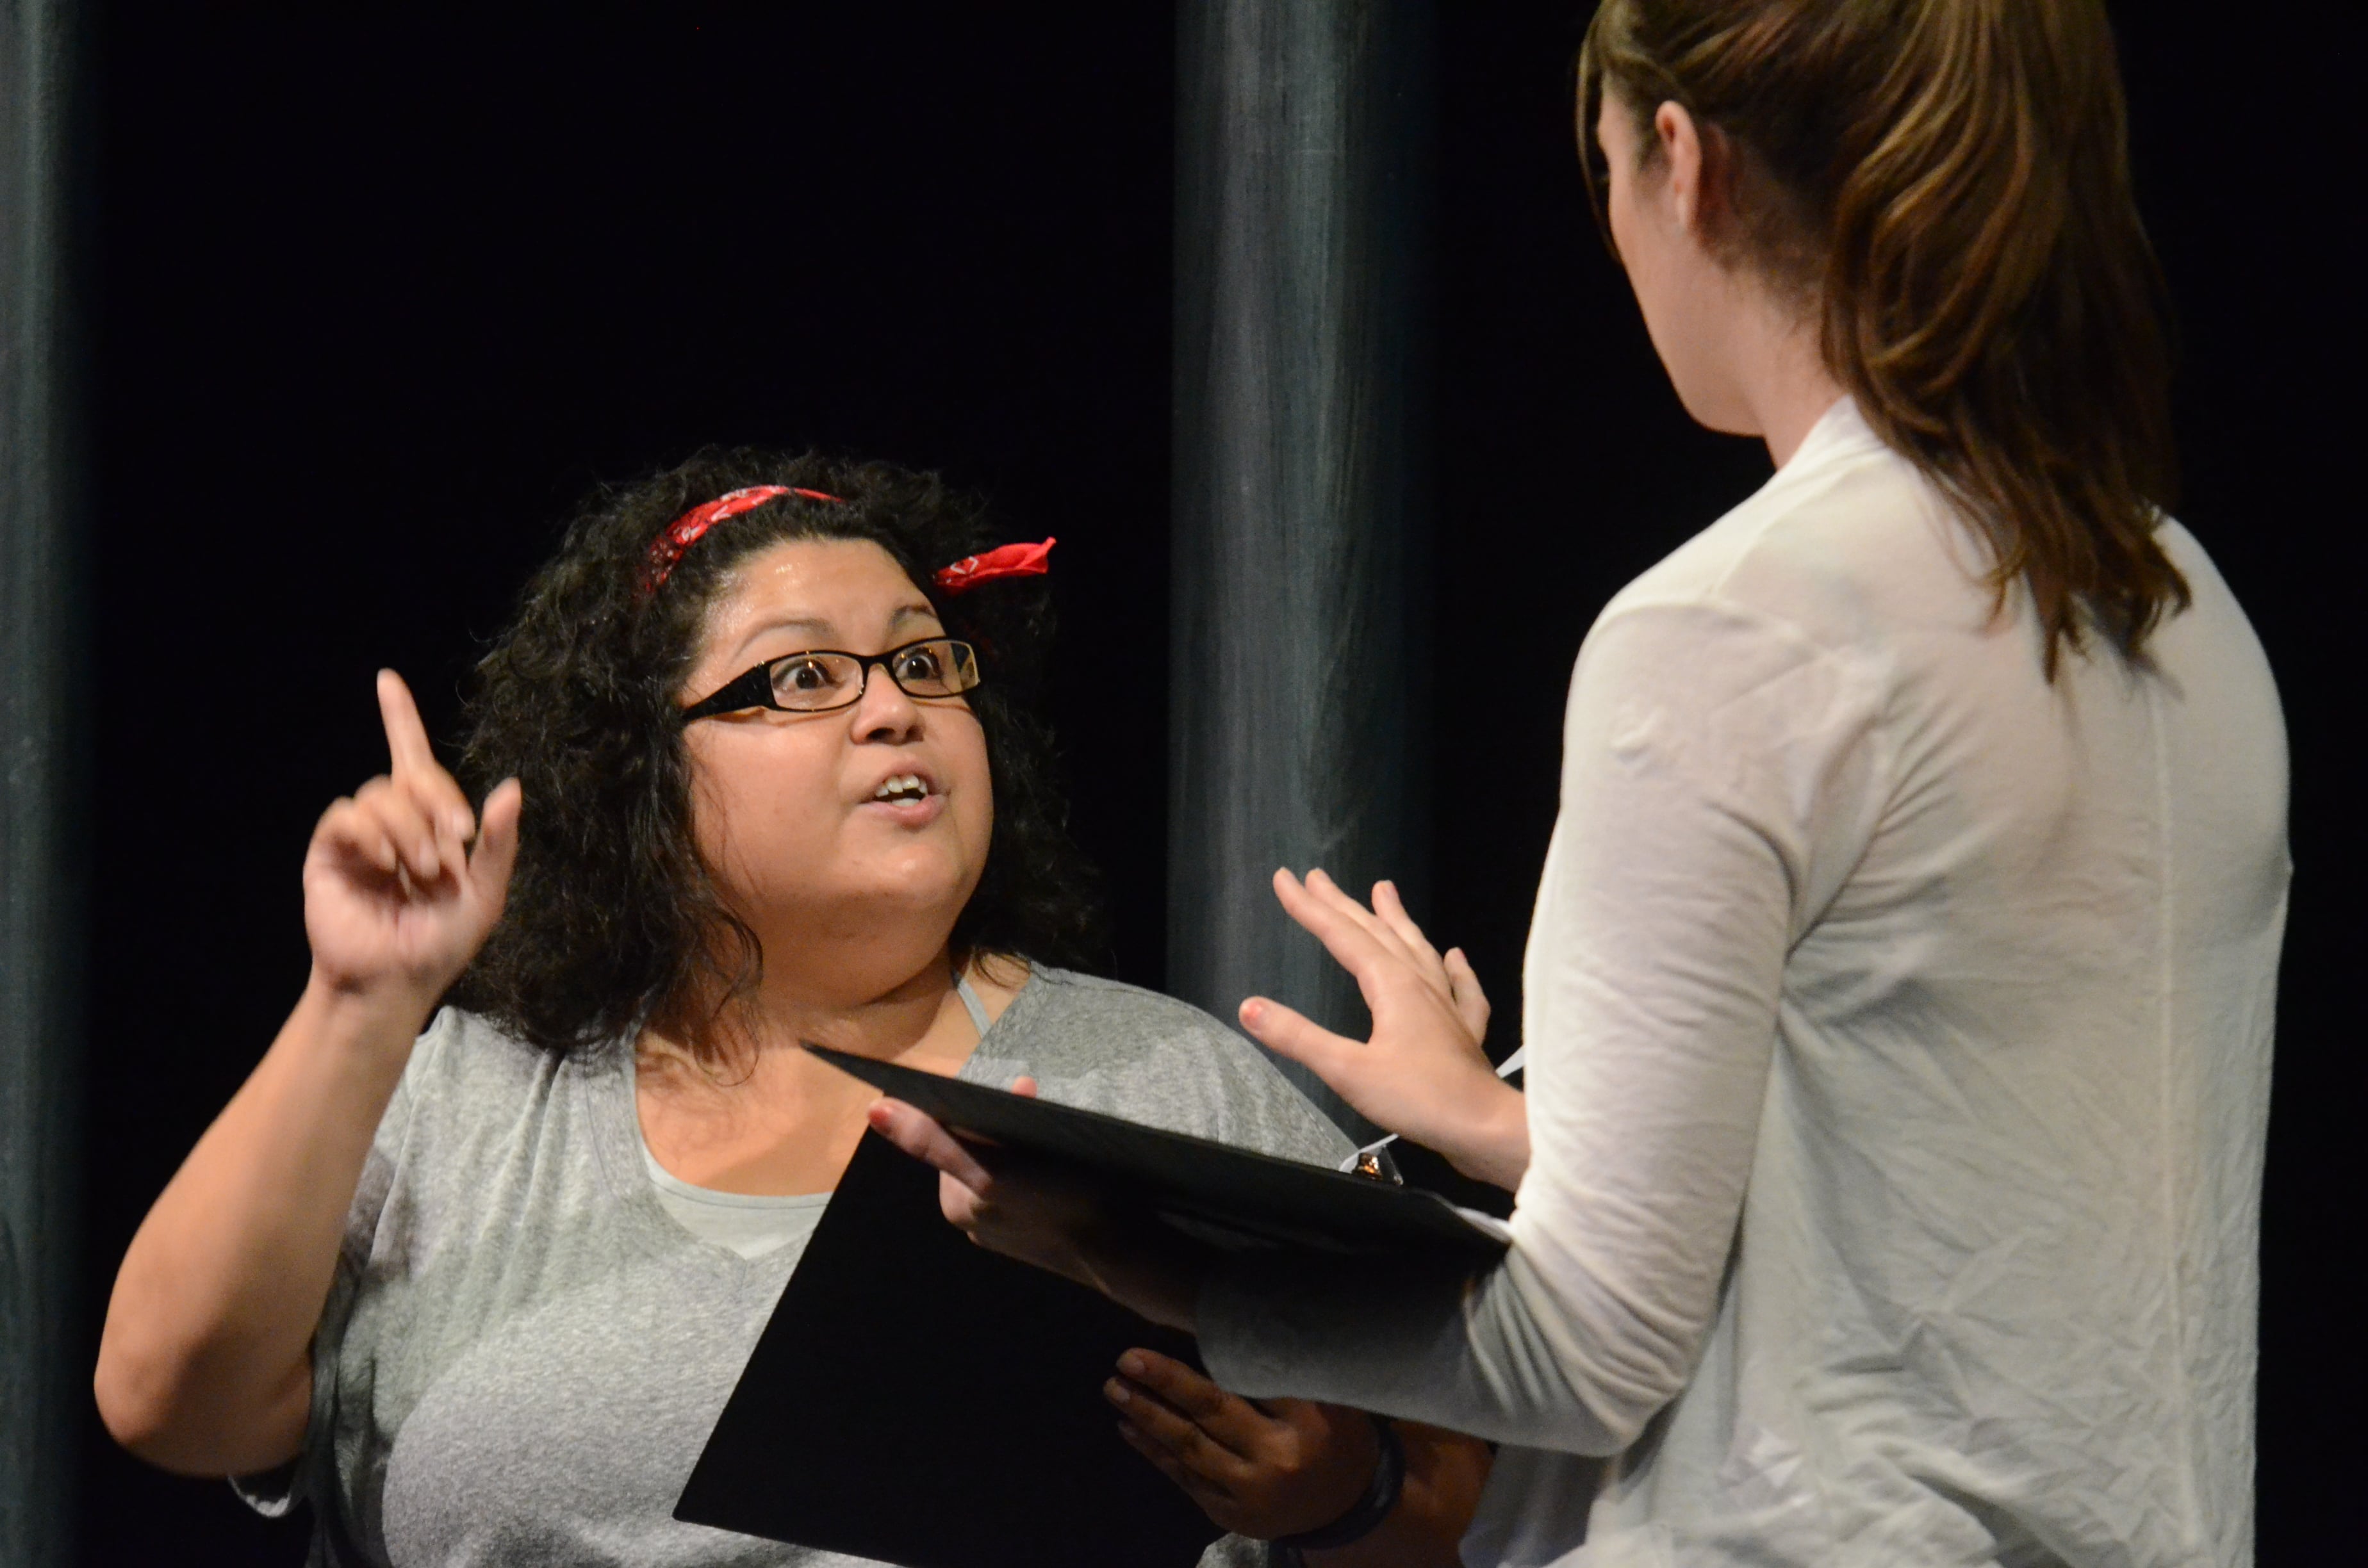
x=752 y=1224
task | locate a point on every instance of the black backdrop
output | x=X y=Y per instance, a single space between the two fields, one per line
x=378 y=297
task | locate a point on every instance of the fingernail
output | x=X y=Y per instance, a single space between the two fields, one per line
x=1116 y=1392
x=1253 y=1012
x=1131 y=1364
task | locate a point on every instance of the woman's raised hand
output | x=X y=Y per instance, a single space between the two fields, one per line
x=1423 y=1075
x=395 y=904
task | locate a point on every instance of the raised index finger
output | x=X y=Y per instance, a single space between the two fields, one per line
x=406 y=737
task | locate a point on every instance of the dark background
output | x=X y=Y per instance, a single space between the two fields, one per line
x=376 y=299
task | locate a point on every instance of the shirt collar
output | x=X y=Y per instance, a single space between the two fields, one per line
x=1841 y=432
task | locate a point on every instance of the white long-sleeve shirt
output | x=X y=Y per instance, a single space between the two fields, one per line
x=1899 y=1036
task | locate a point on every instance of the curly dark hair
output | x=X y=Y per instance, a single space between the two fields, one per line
x=613 y=915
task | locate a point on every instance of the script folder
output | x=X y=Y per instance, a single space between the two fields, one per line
x=919 y=1401
x=1238 y=1197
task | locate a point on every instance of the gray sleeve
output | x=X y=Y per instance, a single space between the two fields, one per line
x=1474 y=1353
x=311 y=1475
x=1240 y=1551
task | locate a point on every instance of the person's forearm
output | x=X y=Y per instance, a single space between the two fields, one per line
x=1495 y=1147
x=204 y=1364
x=1421 y=1339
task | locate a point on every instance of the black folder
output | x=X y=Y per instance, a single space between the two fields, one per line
x=921 y=1401
x=1237 y=1197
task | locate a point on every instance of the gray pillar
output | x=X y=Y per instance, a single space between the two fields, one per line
x=1297 y=635
x=43 y=1379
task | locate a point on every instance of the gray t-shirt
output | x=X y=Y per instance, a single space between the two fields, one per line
x=523 y=1352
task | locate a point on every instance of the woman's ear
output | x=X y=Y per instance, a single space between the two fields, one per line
x=1681 y=154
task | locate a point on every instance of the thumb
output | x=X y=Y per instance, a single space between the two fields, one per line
x=1293 y=1034
x=498 y=835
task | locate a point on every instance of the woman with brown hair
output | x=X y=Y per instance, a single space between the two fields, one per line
x=1898 y=1000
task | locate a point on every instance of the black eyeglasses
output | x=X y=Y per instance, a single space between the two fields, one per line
x=821 y=679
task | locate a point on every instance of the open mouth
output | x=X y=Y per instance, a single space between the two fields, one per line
x=905 y=790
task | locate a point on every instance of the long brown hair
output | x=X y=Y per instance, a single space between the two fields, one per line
x=1950 y=180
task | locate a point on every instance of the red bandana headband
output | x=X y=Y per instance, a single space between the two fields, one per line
x=1004 y=560
x=692 y=525
x=1008 y=561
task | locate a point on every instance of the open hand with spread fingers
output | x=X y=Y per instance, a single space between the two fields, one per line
x=395 y=901
x=1423 y=1075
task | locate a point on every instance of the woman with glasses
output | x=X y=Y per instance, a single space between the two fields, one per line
x=762 y=769
x=1898 y=998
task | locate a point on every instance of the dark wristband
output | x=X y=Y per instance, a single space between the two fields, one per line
x=1369 y=1511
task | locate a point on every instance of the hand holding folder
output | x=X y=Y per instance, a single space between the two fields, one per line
x=1078 y=1169
x=1035 y=1212
x=903 y=1364
x=918 y=1401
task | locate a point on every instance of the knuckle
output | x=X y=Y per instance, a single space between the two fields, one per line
x=424 y=784
x=1168 y=1429
x=388 y=804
